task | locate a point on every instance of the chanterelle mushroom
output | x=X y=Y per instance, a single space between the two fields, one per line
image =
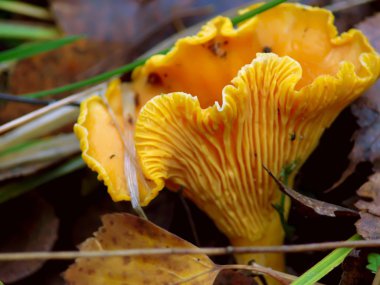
x=272 y=112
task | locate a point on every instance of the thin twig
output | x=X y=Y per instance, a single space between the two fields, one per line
x=31 y=101
x=282 y=277
x=62 y=255
x=32 y=115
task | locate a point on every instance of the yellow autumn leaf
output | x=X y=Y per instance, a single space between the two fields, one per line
x=124 y=231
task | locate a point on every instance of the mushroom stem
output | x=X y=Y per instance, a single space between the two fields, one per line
x=271 y=237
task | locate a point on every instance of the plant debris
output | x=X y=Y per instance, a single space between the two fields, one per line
x=369 y=205
x=319 y=207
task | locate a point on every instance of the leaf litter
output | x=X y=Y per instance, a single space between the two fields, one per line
x=319 y=207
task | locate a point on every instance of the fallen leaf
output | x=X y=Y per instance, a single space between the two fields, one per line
x=124 y=231
x=29 y=225
x=370 y=191
x=369 y=224
x=319 y=207
x=77 y=61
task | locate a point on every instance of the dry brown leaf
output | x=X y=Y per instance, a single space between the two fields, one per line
x=124 y=231
x=28 y=224
x=370 y=191
x=319 y=207
x=369 y=224
x=68 y=64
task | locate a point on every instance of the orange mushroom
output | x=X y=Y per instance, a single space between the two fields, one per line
x=235 y=109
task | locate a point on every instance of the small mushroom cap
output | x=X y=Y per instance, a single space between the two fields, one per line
x=101 y=143
x=217 y=154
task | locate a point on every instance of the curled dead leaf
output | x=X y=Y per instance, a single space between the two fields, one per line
x=319 y=207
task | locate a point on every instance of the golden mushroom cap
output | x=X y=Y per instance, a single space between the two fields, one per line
x=217 y=154
x=219 y=126
x=102 y=145
x=203 y=65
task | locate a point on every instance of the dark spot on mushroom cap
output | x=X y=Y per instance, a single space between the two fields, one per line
x=112 y=156
x=293 y=136
x=267 y=49
x=154 y=79
x=216 y=48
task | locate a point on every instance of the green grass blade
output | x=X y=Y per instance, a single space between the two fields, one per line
x=324 y=266
x=30 y=49
x=15 y=189
x=25 y=9
x=129 y=67
x=19 y=147
x=93 y=80
x=27 y=32
x=238 y=19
